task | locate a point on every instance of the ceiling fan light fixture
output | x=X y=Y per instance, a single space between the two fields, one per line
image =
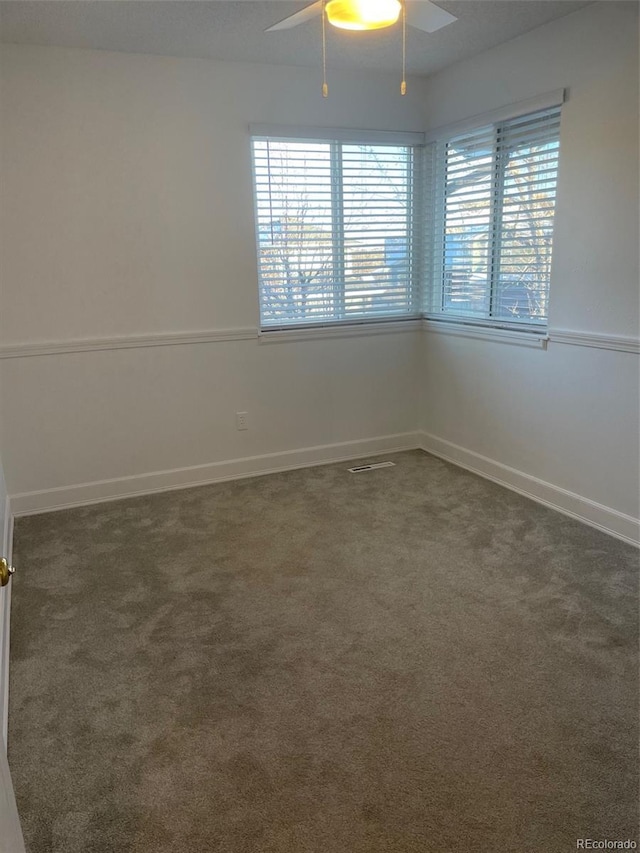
x=363 y=14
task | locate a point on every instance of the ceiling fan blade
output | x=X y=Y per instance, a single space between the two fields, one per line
x=424 y=15
x=300 y=17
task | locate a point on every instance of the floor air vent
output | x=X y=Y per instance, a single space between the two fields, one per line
x=371 y=467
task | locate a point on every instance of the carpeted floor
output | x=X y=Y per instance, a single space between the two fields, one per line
x=412 y=659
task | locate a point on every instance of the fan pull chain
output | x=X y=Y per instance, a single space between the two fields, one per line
x=403 y=85
x=325 y=88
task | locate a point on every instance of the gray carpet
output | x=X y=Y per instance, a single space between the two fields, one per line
x=412 y=659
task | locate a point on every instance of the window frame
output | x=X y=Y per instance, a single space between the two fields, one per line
x=335 y=137
x=435 y=221
x=427 y=228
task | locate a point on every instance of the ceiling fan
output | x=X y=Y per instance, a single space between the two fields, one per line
x=370 y=15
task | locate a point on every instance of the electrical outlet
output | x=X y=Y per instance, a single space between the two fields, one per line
x=241 y=420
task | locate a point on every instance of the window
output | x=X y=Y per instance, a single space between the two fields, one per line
x=337 y=228
x=366 y=226
x=492 y=201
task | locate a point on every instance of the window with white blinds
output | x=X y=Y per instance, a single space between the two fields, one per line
x=336 y=230
x=490 y=221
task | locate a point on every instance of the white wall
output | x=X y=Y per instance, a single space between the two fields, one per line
x=126 y=209
x=568 y=416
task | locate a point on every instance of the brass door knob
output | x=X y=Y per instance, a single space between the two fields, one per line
x=5 y=572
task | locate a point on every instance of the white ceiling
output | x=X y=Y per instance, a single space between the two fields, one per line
x=234 y=30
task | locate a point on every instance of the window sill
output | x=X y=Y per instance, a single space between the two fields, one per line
x=517 y=337
x=338 y=330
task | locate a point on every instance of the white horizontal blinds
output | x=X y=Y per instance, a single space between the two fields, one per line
x=468 y=217
x=334 y=226
x=497 y=197
x=294 y=215
x=530 y=148
x=376 y=204
x=432 y=229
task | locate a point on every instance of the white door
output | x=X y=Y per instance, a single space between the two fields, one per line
x=11 y=840
x=10 y=832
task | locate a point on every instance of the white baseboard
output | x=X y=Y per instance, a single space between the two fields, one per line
x=47 y=500
x=597 y=515
x=610 y=521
